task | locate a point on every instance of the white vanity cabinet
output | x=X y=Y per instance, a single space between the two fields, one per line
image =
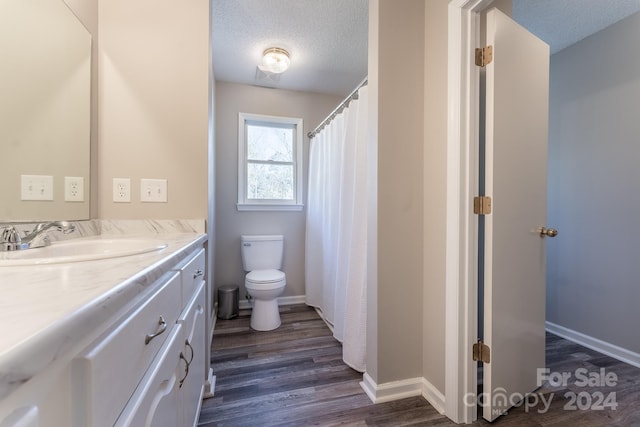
x=107 y=373
x=193 y=383
x=194 y=318
x=170 y=393
x=143 y=365
x=157 y=401
x=172 y=388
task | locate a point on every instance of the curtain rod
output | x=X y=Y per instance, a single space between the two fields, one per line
x=338 y=109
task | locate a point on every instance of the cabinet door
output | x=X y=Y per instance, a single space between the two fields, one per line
x=157 y=400
x=193 y=385
x=118 y=361
x=192 y=274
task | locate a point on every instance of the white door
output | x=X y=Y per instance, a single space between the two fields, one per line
x=517 y=83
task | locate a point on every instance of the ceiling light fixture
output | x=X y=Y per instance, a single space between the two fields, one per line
x=275 y=60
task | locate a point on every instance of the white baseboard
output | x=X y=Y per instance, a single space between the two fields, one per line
x=296 y=299
x=433 y=396
x=209 y=385
x=402 y=389
x=619 y=353
x=395 y=390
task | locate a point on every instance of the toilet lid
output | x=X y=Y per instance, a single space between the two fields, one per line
x=265 y=276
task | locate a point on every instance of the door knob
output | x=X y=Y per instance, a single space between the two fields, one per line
x=548 y=232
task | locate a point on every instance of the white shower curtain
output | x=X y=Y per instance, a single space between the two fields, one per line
x=336 y=238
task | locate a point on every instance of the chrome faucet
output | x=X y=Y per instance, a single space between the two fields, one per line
x=10 y=240
x=38 y=236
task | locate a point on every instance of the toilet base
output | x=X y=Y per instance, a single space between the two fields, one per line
x=265 y=315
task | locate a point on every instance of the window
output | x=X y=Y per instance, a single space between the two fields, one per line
x=269 y=163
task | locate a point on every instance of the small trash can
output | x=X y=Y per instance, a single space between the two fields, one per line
x=228 y=300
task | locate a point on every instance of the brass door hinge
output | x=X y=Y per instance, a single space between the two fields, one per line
x=481 y=352
x=482 y=205
x=484 y=56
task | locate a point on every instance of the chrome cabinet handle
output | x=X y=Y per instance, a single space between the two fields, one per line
x=548 y=232
x=188 y=344
x=198 y=273
x=186 y=369
x=162 y=326
x=188 y=363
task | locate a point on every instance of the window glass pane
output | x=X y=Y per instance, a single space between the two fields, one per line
x=270 y=143
x=273 y=182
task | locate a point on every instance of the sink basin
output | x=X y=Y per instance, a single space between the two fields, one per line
x=81 y=249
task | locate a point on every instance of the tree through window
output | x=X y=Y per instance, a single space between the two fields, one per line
x=270 y=166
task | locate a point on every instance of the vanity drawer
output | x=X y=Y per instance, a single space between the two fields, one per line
x=170 y=393
x=106 y=374
x=192 y=272
x=156 y=402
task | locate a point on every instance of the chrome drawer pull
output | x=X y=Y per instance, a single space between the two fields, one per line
x=162 y=327
x=186 y=369
x=198 y=273
x=188 y=344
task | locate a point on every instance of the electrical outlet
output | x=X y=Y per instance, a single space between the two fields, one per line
x=36 y=187
x=73 y=189
x=121 y=190
x=153 y=190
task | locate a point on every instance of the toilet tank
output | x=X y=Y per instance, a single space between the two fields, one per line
x=261 y=252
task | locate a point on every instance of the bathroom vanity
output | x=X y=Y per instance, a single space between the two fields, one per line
x=117 y=341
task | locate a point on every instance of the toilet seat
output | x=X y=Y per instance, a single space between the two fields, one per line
x=265 y=276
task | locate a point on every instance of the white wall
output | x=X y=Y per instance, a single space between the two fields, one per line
x=231 y=99
x=87 y=13
x=153 y=97
x=44 y=109
x=149 y=103
x=593 y=265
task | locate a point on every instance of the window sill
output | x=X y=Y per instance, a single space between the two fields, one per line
x=260 y=207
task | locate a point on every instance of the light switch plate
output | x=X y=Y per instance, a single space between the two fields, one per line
x=153 y=190
x=36 y=187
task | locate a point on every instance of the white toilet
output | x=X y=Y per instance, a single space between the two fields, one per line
x=262 y=258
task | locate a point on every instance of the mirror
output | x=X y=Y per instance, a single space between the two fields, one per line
x=45 y=90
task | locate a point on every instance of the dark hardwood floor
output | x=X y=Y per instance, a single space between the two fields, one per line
x=294 y=376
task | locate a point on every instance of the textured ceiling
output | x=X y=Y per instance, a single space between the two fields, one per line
x=562 y=23
x=327 y=39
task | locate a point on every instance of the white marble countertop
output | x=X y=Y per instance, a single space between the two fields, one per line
x=45 y=309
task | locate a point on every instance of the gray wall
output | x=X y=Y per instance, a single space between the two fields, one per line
x=435 y=193
x=231 y=99
x=594 y=264
x=397 y=37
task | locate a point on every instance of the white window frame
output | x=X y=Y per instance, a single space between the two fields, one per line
x=245 y=204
